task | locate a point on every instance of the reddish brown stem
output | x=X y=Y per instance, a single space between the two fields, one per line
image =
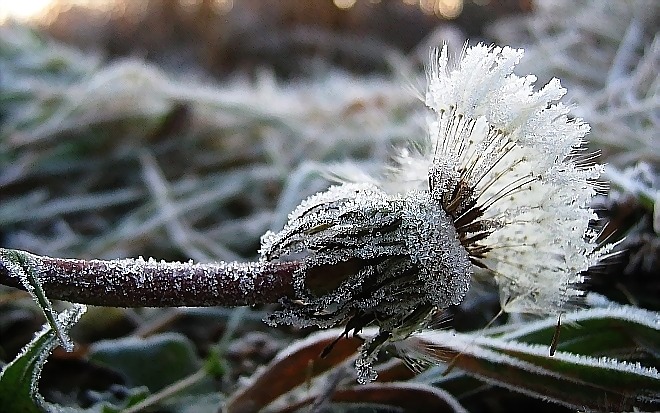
x=150 y=283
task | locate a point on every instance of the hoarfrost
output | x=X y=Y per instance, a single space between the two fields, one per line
x=369 y=257
x=445 y=266
x=25 y=267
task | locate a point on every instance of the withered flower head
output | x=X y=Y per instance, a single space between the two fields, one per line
x=498 y=184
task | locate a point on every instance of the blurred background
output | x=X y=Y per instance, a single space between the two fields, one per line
x=115 y=112
x=224 y=36
x=185 y=129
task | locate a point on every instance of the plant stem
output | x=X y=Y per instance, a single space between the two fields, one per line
x=150 y=283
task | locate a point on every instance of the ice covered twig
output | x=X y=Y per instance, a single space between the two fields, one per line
x=150 y=283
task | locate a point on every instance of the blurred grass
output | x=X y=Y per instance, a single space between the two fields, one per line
x=607 y=55
x=124 y=159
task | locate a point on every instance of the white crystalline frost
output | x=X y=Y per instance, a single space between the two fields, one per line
x=516 y=148
x=432 y=243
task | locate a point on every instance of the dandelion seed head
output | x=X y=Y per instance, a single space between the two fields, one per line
x=506 y=165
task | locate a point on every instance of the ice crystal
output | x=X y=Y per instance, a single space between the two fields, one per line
x=24 y=266
x=504 y=161
x=499 y=184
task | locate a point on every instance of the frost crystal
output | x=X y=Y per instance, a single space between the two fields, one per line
x=517 y=152
x=498 y=185
x=369 y=257
x=504 y=162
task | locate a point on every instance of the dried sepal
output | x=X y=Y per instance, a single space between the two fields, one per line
x=369 y=258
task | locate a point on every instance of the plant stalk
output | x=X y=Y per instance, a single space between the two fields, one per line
x=150 y=283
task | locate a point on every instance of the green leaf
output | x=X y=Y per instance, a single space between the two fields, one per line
x=598 y=331
x=135 y=396
x=23 y=266
x=589 y=380
x=155 y=362
x=19 y=379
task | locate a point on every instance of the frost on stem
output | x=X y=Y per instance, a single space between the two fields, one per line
x=147 y=282
x=369 y=258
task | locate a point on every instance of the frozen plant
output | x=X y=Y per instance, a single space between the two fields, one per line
x=499 y=188
x=607 y=54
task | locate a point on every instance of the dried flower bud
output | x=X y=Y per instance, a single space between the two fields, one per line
x=370 y=258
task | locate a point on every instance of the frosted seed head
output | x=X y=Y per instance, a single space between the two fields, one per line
x=525 y=215
x=497 y=183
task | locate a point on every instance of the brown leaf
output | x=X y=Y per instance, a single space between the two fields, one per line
x=411 y=397
x=291 y=368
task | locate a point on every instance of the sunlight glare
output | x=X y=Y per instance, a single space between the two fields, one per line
x=23 y=10
x=344 y=4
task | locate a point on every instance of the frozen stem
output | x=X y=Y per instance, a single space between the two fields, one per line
x=150 y=283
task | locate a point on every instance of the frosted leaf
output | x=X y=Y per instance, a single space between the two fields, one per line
x=602 y=381
x=25 y=267
x=21 y=376
x=504 y=162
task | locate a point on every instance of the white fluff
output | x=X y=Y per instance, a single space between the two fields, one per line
x=517 y=148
